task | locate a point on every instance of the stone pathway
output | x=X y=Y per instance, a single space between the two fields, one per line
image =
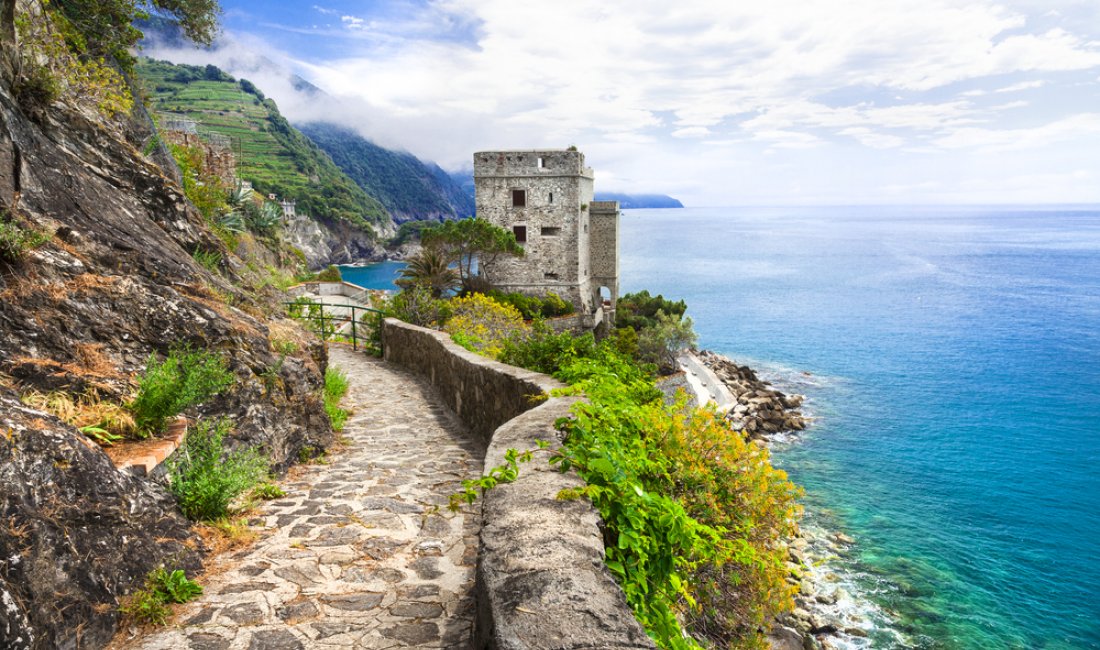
x=356 y=555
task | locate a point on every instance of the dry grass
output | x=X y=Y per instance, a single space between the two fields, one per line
x=94 y=360
x=81 y=286
x=57 y=291
x=88 y=282
x=96 y=356
x=87 y=410
x=226 y=534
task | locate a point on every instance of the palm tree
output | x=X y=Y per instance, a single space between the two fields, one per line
x=431 y=269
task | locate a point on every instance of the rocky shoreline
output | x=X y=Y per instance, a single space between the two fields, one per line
x=825 y=617
x=760 y=410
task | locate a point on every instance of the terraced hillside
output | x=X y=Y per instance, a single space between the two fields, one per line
x=271 y=153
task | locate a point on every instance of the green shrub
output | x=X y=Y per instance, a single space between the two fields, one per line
x=174 y=587
x=149 y=604
x=336 y=386
x=531 y=307
x=267 y=492
x=662 y=342
x=205 y=479
x=546 y=352
x=417 y=306
x=185 y=378
x=206 y=191
x=284 y=346
x=209 y=260
x=692 y=511
x=409 y=231
x=16 y=241
x=639 y=310
x=145 y=608
x=265 y=219
x=484 y=325
x=36 y=89
x=232 y=222
x=554 y=305
x=330 y=274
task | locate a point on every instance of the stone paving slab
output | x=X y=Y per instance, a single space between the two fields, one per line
x=362 y=552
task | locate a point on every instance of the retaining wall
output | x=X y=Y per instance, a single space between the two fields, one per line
x=541 y=579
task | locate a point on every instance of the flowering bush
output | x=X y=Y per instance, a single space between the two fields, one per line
x=484 y=325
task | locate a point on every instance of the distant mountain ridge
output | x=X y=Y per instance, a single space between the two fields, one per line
x=409 y=188
x=638 y=201
x=465 y=180
x=331 y=171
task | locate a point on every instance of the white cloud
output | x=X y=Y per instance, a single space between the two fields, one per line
x=873 y=139
x=691 y=132
x=353 y=22
x=324 y=10
x=1074 y=127
x=1023 y=85
x=630 y=81
x=1008 y=106
x=788 y=139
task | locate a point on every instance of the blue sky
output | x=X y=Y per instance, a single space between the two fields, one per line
x=717 y=103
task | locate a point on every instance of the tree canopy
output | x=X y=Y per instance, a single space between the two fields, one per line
x=431 y=269
x=465 y=240
x=639 y=310
x=99 y=28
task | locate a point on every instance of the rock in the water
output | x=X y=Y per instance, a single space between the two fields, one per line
x=785 y=638
x=841 y=538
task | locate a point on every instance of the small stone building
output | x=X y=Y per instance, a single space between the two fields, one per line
x=571 y=242
x=217 y=149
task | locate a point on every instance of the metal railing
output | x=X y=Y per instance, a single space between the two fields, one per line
x=339 y=325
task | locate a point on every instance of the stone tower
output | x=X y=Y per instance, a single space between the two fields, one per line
x=570 y=242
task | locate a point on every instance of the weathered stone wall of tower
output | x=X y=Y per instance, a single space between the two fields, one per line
x=604 y=248
x=556 y=196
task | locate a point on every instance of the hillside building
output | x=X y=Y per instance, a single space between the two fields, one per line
x=570 y=242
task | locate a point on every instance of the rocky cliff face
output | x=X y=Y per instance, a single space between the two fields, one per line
x=334 y=242
x=114 y=283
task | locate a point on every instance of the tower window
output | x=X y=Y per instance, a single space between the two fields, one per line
x=519 y=198
x=521 y=233
x=539 y=162
x=551 y=197
x=550 y=231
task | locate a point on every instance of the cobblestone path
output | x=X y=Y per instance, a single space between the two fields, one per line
x=354 y=556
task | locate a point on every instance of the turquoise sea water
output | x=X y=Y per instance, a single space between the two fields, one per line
x=954 y=367
x=373 y=276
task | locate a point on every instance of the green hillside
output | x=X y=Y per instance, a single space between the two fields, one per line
x=272 y=154
x=410 y=189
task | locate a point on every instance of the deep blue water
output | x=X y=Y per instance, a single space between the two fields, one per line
x=954 y=365
x=954 y=360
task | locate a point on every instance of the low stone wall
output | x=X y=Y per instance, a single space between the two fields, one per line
x=345 y=289
x=541 y=579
